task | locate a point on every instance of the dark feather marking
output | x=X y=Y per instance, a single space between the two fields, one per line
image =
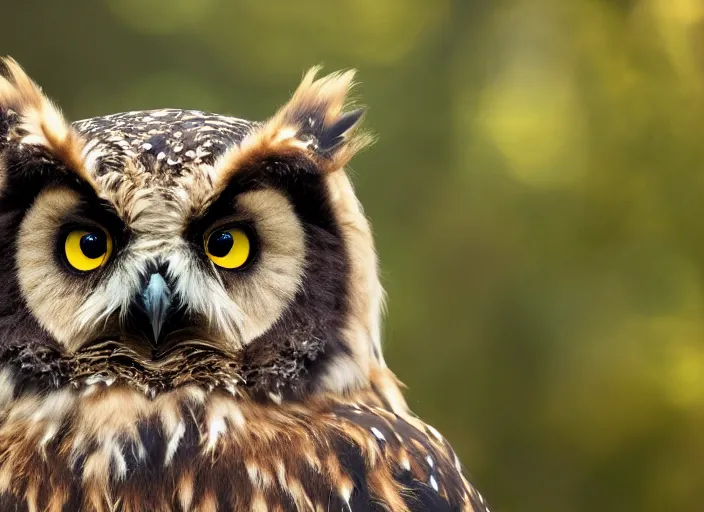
x=8 y=118
x=420 y=497
x=192 y=418
x=10 y=503
x=354 y=465
x=28 y=170
x=330 y=137
x=151 y=436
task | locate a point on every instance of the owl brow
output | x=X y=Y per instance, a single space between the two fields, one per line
x=93 y=209
x=25 y=176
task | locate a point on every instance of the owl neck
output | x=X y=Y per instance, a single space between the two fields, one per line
x=277 y=375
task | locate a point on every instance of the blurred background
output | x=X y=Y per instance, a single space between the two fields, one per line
x=536 y=193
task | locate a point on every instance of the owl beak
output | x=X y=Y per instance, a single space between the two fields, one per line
x=156 y=303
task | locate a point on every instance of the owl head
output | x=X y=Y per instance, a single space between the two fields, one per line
x=167 y=247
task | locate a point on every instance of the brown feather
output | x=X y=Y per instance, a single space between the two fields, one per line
x=110 y=448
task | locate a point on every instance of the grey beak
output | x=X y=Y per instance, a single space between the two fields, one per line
x=156 y=301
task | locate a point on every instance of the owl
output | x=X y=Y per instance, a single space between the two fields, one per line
x=190 y=317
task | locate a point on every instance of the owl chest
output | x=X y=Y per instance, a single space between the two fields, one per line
x=116 y=450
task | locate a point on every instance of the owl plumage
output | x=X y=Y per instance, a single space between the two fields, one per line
x=190 y=317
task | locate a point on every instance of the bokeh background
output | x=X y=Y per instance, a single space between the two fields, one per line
x=536 y=193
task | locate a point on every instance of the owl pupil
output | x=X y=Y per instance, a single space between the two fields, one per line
x=93 y=245
x=219 y=245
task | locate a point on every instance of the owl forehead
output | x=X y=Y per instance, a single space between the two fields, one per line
x=161 y=145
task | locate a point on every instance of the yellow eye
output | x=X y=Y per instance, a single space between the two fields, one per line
x=228 y=248
x=87 y=250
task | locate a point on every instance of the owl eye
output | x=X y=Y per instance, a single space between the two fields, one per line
x=86 y=250
x=228 y=248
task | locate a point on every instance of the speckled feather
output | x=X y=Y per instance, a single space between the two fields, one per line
x=165 y=141
x=235 y=411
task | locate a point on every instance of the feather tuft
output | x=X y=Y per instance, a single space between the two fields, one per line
x=39 y=122
x=312 y=124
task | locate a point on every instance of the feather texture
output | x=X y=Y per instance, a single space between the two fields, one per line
x=265 y=389
x=103 y=448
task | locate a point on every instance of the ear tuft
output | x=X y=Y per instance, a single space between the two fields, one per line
x=33 y=120
x=315 y=114
x=318 y=101
x=332 y=136
x=312 y=124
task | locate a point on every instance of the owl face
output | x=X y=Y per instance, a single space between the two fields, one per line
x=167 y=247
x=154 y=253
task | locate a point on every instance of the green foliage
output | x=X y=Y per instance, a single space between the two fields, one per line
x=534 y=194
